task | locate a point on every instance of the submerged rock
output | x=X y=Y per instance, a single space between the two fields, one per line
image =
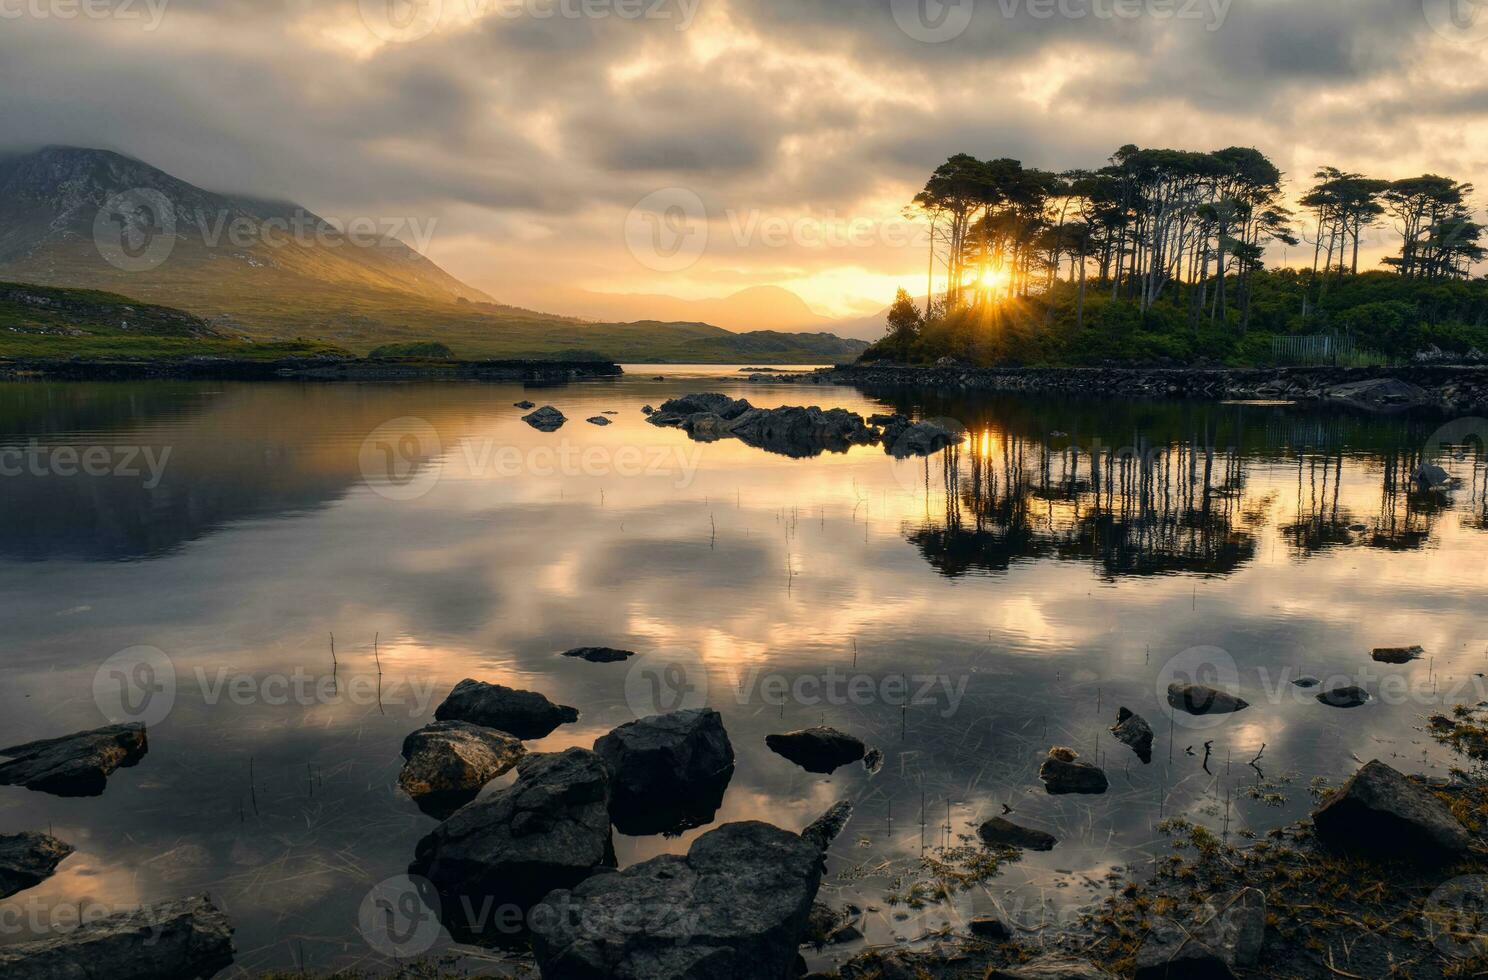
x=1344 y=697
x=550 y=829
x=74 y=765
x=1306 y=682
x=825 y=828
x=667 y=772
x=525 y=714
x=1050 y=966
x=1234 y=925
x=1171 y=952
x=1429 y=476
x=28 y=859
x=1000 y=832
x=902 y=438
x=546 y=419
x=1132 y=729
x=1396 y=655
x=1062 y=775
x=524 y=405
x=1380 y=813
x=819 y=749
x=826 y=926
x=873 y=761
x=597 y=420
x=599 y=655
x=449 y=762
x=990 y=928
x=1199 y=699
x=171 y=941
x=734 y=907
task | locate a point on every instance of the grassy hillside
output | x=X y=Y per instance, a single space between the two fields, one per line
x=47 y=322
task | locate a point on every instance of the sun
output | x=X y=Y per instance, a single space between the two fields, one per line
x=993 y=279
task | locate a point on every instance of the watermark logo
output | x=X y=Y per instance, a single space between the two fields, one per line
x=667 y=230
x=1205 y=667
x=1462 y=21
x=399 y=917
x=135 y=230
x=136 y=685
x=657 y=686
x=400 y=21
x=1454 y=915
x=933 y=21
x=1457 y=437
x=401 y=459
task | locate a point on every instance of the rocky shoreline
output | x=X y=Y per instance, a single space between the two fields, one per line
x=1452 y=389
x=307 y=369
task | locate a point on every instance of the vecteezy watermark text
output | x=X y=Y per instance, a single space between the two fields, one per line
x=937 y=21
x=150 y=12
x=129 y=462
x=404 y=21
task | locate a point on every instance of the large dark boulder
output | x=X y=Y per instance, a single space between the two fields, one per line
x=74 y=765
x=1381 y=813
x=667 y=772
x=28 y=859
x=1198 y=699
x=802 y=432
x=825 y=828
x=710 y=402
x=998 y=832
x=735 y=907
x=525 y=714
x=551 y=829
x=449 y=762
x=819 y=749
x=1132 y=729
x=1063 y=775
x=172 y=941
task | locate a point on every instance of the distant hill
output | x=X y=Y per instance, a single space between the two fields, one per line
x=273 y=270
x=755 y=308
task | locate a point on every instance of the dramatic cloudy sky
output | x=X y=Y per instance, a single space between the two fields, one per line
x=529 y=130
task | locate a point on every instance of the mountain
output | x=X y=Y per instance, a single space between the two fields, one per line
x=755 y=308
x=276 y=271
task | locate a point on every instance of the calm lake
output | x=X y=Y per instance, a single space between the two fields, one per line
x=962 y=613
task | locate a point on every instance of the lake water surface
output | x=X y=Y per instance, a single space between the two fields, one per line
x=962 y=613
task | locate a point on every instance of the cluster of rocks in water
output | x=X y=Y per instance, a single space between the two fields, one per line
x=735 y=905
x=797 y=431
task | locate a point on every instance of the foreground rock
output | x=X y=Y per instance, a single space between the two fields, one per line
x=173 y=941
x=74 y=765
x=551 y=829
x=734 y=908
x=525 y=714
x=28 y=859
x=1380 y=813
x=449 y=762
x=667 y=772
x=826 y=926
x=1005 y=833
x=1050 y=966
x=1396 y=655
x=545 y=419
x=1197 y=699
x=1132 y=729
x=1344 y=697
x=820 y=749
x=1062 y=775
x=599 y=655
